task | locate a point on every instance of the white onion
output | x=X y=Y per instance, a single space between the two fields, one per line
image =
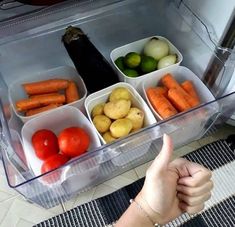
x=167 y=61
x=156 y=48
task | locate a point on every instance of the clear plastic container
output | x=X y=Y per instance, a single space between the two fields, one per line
x=56 y=121
x=16 y=91
x=181 y=74
x=33 y=44
x=138 y=47
x=137 y=101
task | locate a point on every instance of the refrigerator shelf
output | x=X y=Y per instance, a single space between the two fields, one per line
x=33 y=44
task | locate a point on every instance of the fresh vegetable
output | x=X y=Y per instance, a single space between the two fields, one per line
x=169 y=81
x=156 y=48
x=39 y=101
x=117 y=109
x=57 y=92
x=92 y=66
x=97 y=110
x=41 y=109
x=46 y=86
x=177 y=99
x=161 y=104
x=121 y=127
x=54 y=162
x=120 y=93
x=120 y=109
x=188 y=86
x=132 y=60
x=42 y=95
x=45 y=143
x=159 y=90
x=172 y=97
x=131 y=73
x=137 y=118
x=27 y=104
x=167 y=61
x=108 y=137
x=50 y=99
x=73 y=141
x=148 y=64
x=102 y=123
x=71 y=92
x=120 y=63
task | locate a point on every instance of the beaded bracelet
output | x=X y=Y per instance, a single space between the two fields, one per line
x=144 y=212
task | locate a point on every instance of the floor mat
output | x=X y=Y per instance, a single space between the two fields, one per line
x=219 y=210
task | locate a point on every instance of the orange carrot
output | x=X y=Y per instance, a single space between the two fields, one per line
x=26 y=104
x=49 y=99
x=71 y=92
x=161 y=104
x=177 y=99
x=169 y=81
x=41 y=109
x=45 y=86
x=41 y=95
x=159 y=90
x=188 y=86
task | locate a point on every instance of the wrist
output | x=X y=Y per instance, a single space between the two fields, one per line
x=154 y=216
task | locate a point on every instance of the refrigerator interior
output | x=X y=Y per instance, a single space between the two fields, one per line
x=33 y=44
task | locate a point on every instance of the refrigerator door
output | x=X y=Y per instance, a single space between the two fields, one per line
x=32 y=44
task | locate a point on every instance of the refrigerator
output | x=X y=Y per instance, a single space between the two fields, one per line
x=31 y=44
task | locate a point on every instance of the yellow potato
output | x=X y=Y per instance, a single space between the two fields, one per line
x=117 y=109
x=97 y=110
x=120 y=93
x=137 y=117
x=108 y=137
x=121 y=127
x=102 y=123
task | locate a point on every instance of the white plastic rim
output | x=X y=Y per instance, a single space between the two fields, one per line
x=181 y=74
x=102 y=96
x=16 y=91
x=55 y=120
x=138 y=47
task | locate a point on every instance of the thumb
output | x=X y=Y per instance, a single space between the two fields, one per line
x=164 y=157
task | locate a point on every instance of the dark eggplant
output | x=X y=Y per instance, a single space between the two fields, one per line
x=95 y=70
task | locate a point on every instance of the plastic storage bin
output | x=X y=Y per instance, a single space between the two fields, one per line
x=55 y=120
x=181 y=74
x=137 y=101
x=16 y=91
x=23 y=46
x=138 y=47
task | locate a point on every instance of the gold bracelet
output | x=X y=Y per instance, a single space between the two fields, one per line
x=144 y=212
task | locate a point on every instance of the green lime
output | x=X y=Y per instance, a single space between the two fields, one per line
x=120 y=63
x=132 y=60
x=148 y=64
x=131 y=73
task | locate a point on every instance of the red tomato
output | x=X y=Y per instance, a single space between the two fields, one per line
x=54 y=162
x=45 y=143
x=73 y=141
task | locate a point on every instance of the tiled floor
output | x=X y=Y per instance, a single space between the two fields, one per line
x=15 y=211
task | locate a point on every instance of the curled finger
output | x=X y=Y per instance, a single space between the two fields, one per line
x=197 y=179
x=194 y=201
x=195 y=191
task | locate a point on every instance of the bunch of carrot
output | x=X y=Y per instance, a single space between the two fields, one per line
x=172 y=97
x=46 y=95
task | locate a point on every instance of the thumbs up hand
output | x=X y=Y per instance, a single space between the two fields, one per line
x=172 y=188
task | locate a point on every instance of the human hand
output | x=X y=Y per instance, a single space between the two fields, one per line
x=172 y=188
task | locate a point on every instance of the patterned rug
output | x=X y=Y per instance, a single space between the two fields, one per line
x=219 y=211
